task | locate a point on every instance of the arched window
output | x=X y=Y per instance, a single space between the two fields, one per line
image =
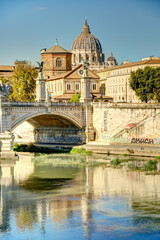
x=58 y=62
x=80 y=58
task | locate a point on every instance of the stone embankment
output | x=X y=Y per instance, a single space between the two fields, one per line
x=146 y=150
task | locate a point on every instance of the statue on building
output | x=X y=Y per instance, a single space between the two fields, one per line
x=4 y=90
x=40 y=66
x=86 y=64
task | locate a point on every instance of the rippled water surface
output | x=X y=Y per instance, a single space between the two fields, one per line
x=41 y=201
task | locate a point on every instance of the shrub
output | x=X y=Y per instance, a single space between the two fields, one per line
x=80 y=151
x=151 y=165
x=116 y=162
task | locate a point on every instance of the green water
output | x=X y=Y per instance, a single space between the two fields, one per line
x=43 y=200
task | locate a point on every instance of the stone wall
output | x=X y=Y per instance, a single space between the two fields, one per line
x=59 y=135
x=127 y=123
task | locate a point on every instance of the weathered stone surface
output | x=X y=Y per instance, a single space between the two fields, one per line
x=127 y=123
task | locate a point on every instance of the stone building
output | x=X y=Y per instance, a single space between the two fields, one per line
x=86 y=46
x=115 y=79
x=62 y=87
x=56 y=60
x=6 y=71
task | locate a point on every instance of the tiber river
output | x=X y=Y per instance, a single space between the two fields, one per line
x=43 y=201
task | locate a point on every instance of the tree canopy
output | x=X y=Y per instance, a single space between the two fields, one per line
x=146 y=83
x=75 y=97
x=23 y=82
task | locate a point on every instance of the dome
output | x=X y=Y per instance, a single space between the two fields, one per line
x=111 y=61
x=86 y=40
x=86 y=46
x=111 y=58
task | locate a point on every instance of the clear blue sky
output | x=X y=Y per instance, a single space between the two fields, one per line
x=128 y=28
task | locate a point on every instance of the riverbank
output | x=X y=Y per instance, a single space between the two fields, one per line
x=144 y=150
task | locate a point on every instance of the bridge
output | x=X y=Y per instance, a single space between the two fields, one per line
x=45 y=114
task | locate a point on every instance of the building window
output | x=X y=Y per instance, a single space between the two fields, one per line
x=68 y=86
x=58 y=62
x=68 y=64
x=48 y=63
x=80 y=58
x=77 y=86
x=94 y=86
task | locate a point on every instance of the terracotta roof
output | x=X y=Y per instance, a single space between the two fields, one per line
x=56 y=49
x=68 y=96
x=6 y=68
x=74 y=74
x=145 y=62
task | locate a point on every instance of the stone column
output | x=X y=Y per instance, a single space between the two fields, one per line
x=85 y=88
x=86 y=99
x=40 y=88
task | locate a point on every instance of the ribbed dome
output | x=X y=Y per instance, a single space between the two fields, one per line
x=111 y=58
x=86 y=40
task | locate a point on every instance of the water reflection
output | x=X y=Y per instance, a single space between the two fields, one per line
x=86 y=203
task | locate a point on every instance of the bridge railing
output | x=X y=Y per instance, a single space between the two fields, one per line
x=37 y=104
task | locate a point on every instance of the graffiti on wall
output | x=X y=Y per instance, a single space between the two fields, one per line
x=143 y=140
x=59 y=139
x=146 y=140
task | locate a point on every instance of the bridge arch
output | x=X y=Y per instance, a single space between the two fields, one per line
x=74 y=120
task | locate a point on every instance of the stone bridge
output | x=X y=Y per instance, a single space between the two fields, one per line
x=52 y=121
x=14 y=113
x=65 y=116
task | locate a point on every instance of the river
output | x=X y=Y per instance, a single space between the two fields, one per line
x=43 y=201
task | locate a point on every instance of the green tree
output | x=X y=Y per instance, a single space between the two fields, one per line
x=75 y=98
x=146 y=82
x=23 y=82
x=157 y=85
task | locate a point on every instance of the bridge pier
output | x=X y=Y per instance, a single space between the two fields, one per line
x=86 y=100
x=7 y=145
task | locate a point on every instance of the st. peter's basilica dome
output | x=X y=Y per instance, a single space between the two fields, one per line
x=86 y=46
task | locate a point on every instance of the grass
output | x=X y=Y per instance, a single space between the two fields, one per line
x=151 y=165
x=79 y=151
x=116 y=162
x=67 y=160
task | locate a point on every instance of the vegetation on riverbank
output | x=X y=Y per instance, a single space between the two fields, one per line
x=80 y=151
x=67 y=160
x=35 y=149
x=149 y=167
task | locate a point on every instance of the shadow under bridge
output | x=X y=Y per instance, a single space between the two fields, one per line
x=56 y=129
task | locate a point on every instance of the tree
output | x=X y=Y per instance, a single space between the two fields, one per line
x=157 y=85
x=75 y=98
x=23 y=82
x=146 y=83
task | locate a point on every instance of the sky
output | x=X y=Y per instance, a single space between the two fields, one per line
x=128 y=28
